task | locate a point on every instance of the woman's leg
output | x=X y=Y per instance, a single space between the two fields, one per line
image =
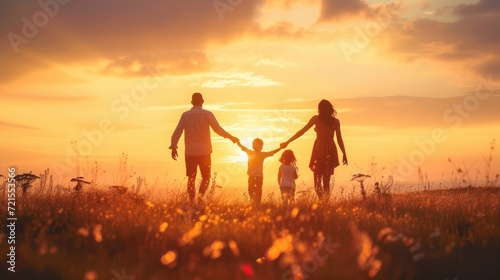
x=317 y=185
x=326 y=186
x=327 y=174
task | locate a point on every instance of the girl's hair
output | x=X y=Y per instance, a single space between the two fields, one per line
x=287 y=157
x=326 y=112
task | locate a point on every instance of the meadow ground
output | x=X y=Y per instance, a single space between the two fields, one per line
x=94 y=234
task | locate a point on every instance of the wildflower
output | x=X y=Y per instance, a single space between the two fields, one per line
x=247 y=270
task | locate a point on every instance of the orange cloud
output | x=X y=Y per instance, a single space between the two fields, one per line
x=9 y=125
x=121 y=32
x=472 y=40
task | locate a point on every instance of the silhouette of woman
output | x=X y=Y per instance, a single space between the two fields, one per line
x=324 y=156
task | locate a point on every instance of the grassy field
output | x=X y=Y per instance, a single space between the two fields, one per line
x=442 y=234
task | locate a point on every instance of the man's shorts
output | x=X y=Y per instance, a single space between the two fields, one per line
x=192 y=163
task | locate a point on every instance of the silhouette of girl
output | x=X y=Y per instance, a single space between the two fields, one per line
x=287 y=174
x=324 y=156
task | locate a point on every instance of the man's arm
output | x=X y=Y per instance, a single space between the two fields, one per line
x=214 y=124
x=176 y=136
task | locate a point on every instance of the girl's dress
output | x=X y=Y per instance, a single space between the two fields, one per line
x=324 y=156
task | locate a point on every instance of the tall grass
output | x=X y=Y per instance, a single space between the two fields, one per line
x=421 y=235
x=149 y=231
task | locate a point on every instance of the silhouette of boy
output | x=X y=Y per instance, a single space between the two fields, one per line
x=255 y=171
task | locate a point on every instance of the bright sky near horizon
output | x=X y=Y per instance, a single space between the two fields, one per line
x=415 y=83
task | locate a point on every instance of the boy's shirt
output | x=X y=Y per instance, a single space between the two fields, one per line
x=256 y=161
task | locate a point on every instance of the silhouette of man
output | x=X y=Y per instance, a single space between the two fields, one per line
x=196 y=123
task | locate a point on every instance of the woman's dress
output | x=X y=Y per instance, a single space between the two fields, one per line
x=324 y=156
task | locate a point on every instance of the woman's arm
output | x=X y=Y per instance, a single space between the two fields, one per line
x=340 y=141
x=301 y=132
x=279 y=176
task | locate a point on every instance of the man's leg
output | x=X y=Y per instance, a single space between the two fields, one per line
x=191 y=187
x=205 y=169
x=191 y=167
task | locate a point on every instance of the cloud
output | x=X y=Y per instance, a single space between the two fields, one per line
x=396 y=112
x=117 y=127
x=170 y=63
x=483 y=7
x=130 y=35
x=240 y=79
x=338 y=9
x=347 y=9
x=472 y=41
x=491 y=66
x=47 y=98
x=8 y=125
x=408 y=112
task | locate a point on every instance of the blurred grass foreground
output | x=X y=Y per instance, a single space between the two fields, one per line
x=95 y=234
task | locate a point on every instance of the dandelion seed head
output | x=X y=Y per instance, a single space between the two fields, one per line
x=98 y=233
x=294 y=213
x=163 y=227
x=169 y=259
x=375 y=268
x=215 y=249
x=191 y=234
x=272 y=253
x=234 y=247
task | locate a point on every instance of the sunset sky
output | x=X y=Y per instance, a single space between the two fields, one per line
x=415 y=83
